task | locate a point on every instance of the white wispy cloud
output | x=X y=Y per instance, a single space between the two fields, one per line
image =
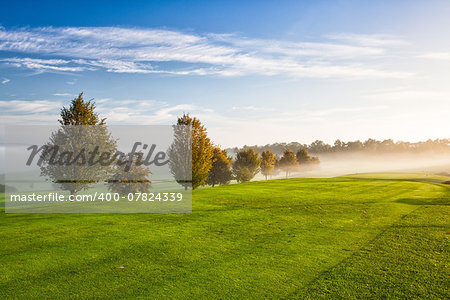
x=408 y=94
x=28 y=107
x=346 y=48
x=117 y=66
x=436 y=55
x=253 y=108
x=43 y=64
x=30 y=119
x=148 y=111
x=132 y=111
x=369 y=40
x=344 y=110
x=63 y=94
x=133 y=50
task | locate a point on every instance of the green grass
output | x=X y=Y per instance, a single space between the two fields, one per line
x=401 y=176
x=377 y=237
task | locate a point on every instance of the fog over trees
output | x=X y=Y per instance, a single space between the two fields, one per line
x=368 y=146
x=320 y=159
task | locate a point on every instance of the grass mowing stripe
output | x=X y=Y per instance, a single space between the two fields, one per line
x=403 y=261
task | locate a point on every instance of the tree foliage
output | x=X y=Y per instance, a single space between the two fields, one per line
x=202 y=149
x=80 y=112
x=303 y=158
x=268 y=162
x=220 y=172
x=246 y=165
x=180 y=155
x=72 y=172
x=288 y=162
x=134 y=180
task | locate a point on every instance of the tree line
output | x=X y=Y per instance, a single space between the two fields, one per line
x=212 y=165
x=208 y=164
x=368 y=146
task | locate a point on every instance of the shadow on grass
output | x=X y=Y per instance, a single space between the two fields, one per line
x=439 y=201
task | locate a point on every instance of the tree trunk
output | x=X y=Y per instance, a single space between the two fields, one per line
x=73 y=194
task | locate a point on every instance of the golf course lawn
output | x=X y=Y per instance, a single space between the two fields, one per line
x=374 y=237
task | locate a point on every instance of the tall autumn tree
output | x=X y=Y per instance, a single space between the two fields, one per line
x=200 y=146
x=246 y=165
x=268 y=162
x=220 y=172
x=288 y=162
x=71 y=144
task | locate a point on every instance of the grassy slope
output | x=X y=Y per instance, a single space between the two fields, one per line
x=282 y=238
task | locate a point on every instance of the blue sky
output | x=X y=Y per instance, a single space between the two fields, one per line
x=253 y=72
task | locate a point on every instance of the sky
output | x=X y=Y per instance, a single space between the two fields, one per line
x=252 y=72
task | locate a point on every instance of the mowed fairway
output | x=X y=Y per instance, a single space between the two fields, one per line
x=293 y=238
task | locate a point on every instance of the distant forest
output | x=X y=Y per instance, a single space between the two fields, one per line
x=369 y=146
